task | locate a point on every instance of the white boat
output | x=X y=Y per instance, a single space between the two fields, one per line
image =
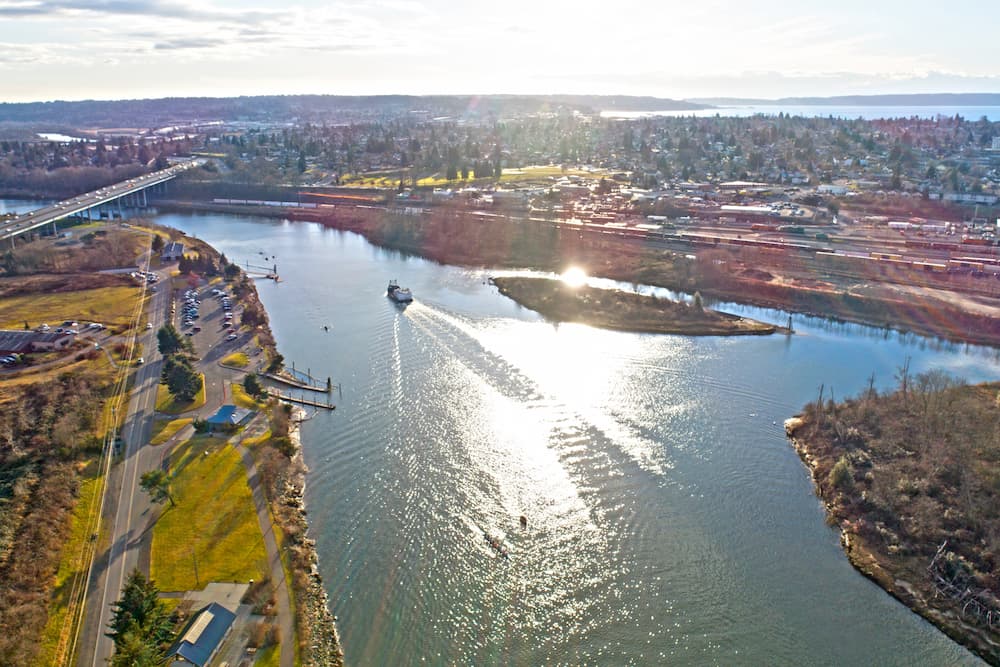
x=397 y=293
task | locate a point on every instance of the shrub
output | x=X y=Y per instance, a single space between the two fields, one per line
x=841 y=476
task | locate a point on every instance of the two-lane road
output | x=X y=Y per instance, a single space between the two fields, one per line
x=127 y=506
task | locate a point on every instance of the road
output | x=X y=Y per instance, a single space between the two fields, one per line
x=40 y=217
x=127 y=507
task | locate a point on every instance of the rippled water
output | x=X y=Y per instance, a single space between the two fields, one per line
x=670 y=522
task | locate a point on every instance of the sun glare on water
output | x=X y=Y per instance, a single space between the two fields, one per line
x=574 y=276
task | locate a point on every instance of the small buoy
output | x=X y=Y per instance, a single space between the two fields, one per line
x=524 y=521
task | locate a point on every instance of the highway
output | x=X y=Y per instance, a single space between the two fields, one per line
x=38 y=218
x=127 y=515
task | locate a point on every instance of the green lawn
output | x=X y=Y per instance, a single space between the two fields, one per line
x=268 y=657
x=168 y=405
x=242 y=398
x=238 y=359
x=212 y=533
x=164 y=429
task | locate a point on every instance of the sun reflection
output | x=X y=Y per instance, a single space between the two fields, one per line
x=574 y=276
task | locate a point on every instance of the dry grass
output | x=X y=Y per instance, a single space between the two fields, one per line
x=72 y=564
x=111 y=306
x=12 y=384
x=212 y=534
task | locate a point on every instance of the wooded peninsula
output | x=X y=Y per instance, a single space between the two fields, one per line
x=625 y=311
x=912 y=480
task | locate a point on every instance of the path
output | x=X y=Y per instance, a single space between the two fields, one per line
x=286 y=622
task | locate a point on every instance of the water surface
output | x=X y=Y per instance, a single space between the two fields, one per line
x=670 y=522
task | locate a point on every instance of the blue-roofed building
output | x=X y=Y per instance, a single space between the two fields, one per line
x=202 y=637
x=172 y=252
x=229 y=417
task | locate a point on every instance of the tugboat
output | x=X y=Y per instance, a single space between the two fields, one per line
x=397 y=293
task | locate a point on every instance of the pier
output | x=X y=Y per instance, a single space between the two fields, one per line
x=301 y=400
x=307 y=381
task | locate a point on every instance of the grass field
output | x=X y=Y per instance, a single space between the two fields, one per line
x=250 y=443
x=390 y=179
x=212 y=533
x=242 y=398
x=166 y=403
x=268 y=657
x=238 y=359
x=164 y=429
x=55 y=638
x=111 y=306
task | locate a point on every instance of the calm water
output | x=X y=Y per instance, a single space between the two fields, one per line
x=22 y=205
x=670 y=522
x=837 y=111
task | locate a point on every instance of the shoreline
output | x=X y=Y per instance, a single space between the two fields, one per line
x=446 y=239
x=325 y=648
x=626 y=312
x=315 y=626
x=870 y=563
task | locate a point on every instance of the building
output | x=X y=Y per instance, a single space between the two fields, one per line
x=19 y=342
x=172 y=252
x=229 y=417
x=202 y=637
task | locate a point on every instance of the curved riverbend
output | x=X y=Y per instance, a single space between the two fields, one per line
x=669 y=521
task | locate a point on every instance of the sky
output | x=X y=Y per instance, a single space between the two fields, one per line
x=128 y=49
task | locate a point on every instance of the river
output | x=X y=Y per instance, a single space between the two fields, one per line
x=669 y=520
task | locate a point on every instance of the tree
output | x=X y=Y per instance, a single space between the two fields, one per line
x=302 y=163
x=157 y=244
x=181 y=379
x=252 y=385
x=169 y=340
x=157 y=484
x=139 y=617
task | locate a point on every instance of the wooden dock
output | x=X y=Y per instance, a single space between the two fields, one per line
x=301 y=400
x=292 y=382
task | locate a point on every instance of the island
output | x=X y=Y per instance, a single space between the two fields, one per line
x=910 y=478
x=625 y=311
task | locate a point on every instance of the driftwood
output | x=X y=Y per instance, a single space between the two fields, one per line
x=981 y=605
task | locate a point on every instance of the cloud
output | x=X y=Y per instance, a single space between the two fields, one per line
x=186 y=43
x=160 y=9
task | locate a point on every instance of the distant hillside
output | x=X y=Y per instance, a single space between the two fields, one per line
x=930 y=100
x=153 y=113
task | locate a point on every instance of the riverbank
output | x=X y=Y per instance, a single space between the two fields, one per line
x=283 y=477
x=908 y=479
x=622 y=311
x=449 y=236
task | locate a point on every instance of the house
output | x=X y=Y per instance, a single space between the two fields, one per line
x=19 y=342
x=172 y=252
x=229 y=417
x=202 y=637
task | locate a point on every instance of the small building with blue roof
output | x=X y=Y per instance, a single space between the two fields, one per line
x=202 y=637
x=229 y=417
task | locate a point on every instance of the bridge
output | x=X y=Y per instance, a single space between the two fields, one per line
x=85 y=203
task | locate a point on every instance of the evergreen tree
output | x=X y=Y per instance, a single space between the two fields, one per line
x=139 y=618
